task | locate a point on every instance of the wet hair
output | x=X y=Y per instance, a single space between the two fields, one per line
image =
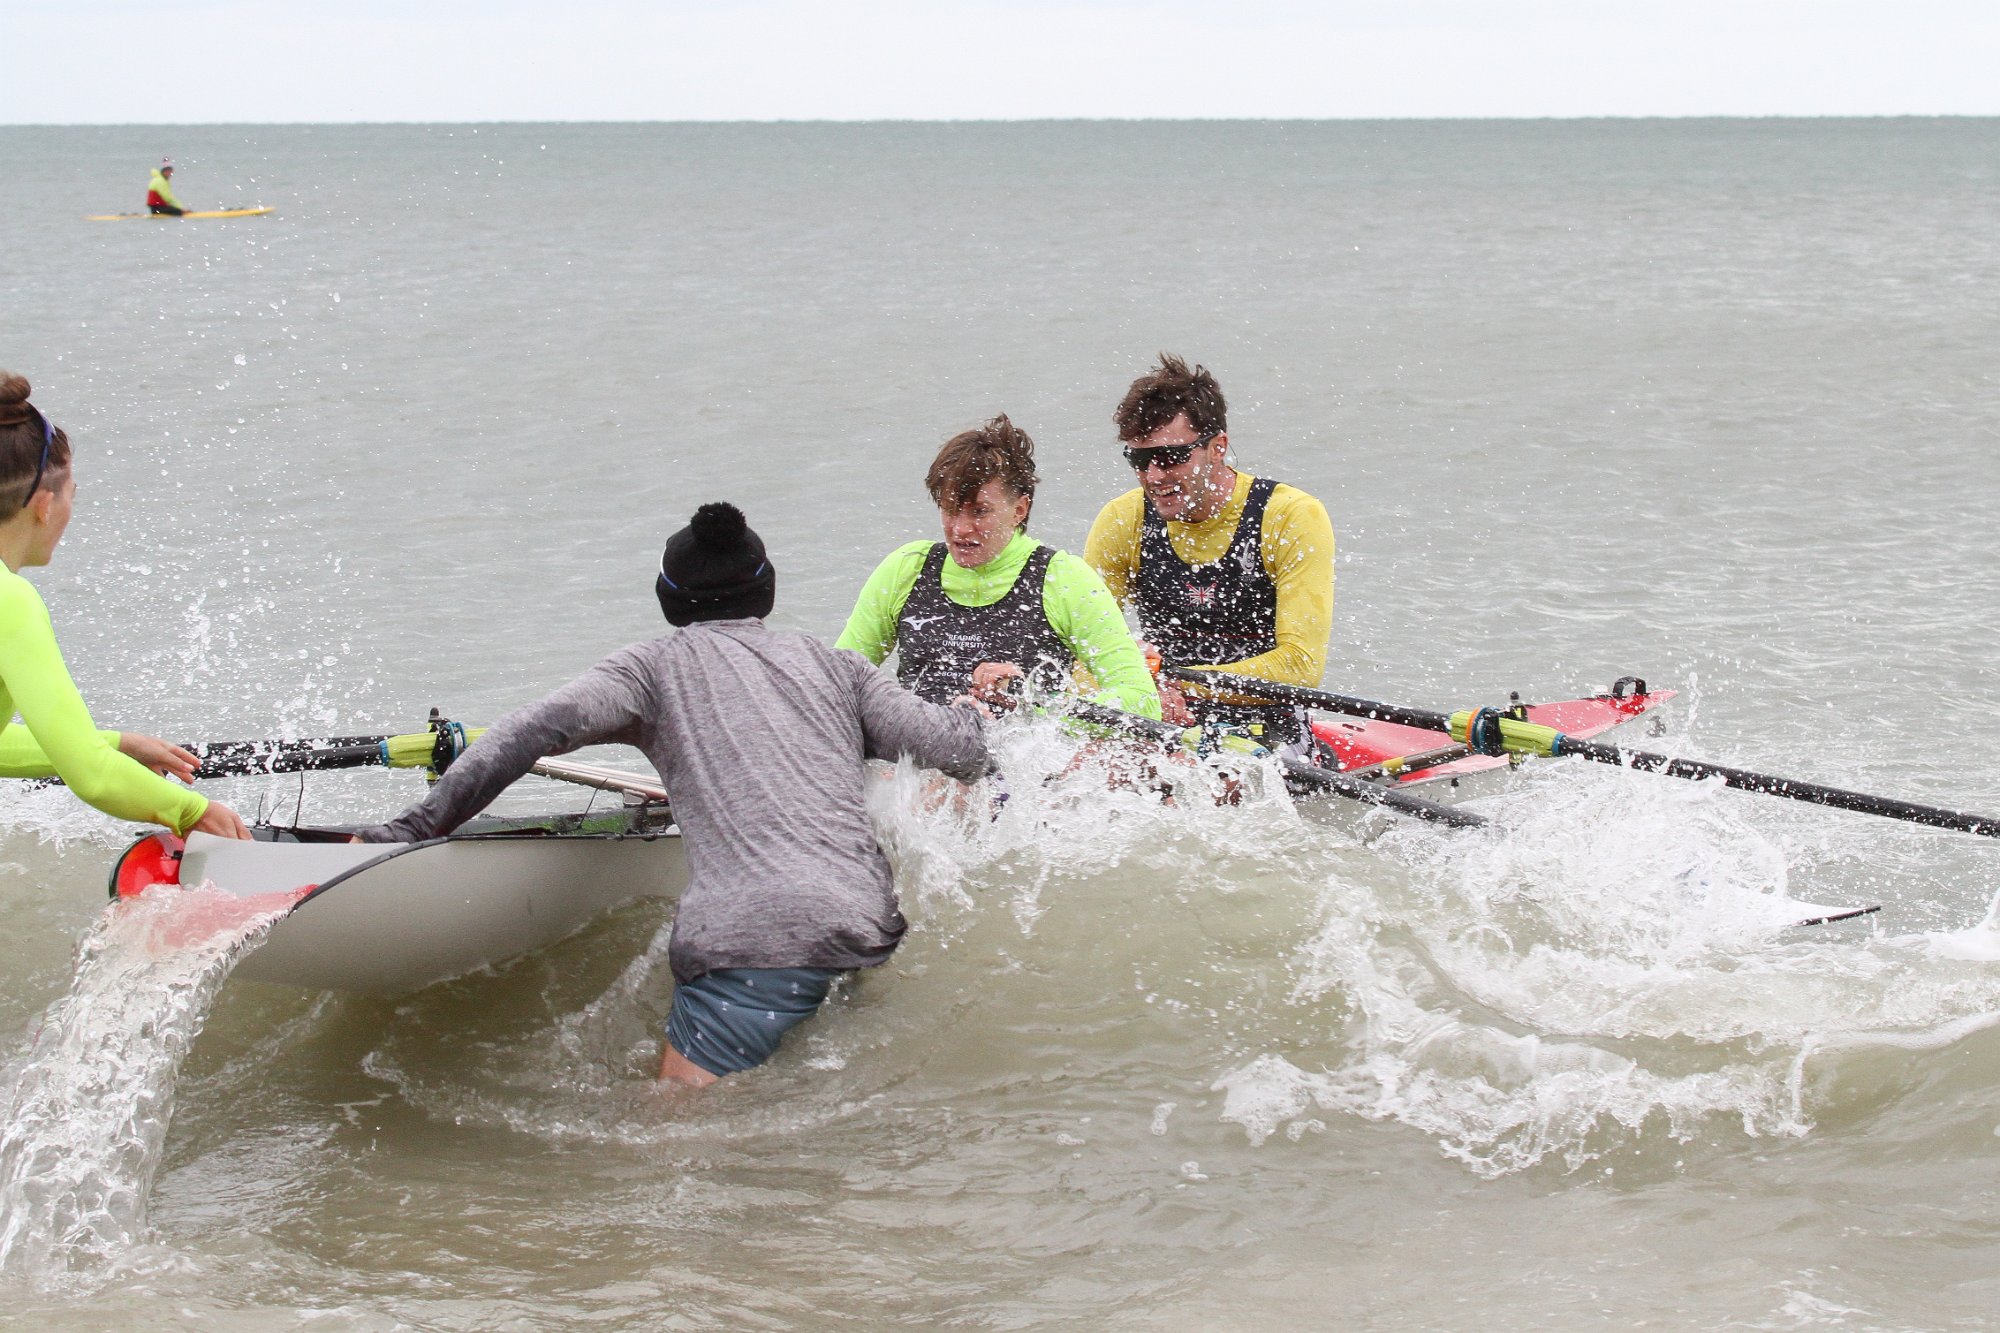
x=972 y=458
x=21 y=436
x=1165 y=392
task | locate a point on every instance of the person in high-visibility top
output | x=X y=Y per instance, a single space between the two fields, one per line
x=160 y=192
x=1223 y=569
x=990 y=603
x=118 y=772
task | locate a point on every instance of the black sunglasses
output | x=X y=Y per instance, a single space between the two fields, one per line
x=48 y=438
x=1166 y=455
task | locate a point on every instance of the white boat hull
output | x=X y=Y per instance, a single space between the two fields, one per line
x=397 y=917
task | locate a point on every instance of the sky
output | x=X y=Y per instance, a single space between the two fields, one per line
x=266 y=61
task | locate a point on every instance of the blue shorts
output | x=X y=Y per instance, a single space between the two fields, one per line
x=731 y=1019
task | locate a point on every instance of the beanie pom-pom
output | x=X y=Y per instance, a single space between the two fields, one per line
x=718 y=525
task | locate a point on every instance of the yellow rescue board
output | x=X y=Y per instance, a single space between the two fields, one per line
x=168 y=217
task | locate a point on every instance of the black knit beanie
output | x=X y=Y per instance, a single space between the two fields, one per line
x=715 y=569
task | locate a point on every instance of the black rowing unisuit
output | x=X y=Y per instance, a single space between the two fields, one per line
x=1217 y=613
x=1223 y=611
x=939 y=642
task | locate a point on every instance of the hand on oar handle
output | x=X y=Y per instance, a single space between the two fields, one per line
x=163 y=757
x=1174 y=706
x=995 y=682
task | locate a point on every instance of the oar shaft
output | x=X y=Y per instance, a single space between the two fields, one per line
x=421 y=749
x=365 y=754
x=223 y=749
x=432 y=749
x=256 y=757
x=1812 y=793
x=1355 y=789
x=1346 y=704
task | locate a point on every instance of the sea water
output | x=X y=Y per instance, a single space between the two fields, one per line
x=1710 y=402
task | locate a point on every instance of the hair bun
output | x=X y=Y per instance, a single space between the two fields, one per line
x=717 y=525
x=14 y=408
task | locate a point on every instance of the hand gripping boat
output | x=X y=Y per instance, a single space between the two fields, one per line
x=390 y=918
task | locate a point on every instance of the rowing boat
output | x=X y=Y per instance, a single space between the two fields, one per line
x=397 y=917
x=390 y=918
x=257 y=212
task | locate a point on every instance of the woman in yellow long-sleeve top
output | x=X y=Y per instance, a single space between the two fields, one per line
x=118 y=772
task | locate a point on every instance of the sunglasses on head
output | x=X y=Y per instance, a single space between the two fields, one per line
x=48 y=438
x=1166 y=455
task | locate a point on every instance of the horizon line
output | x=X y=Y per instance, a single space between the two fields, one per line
x=1016 y=120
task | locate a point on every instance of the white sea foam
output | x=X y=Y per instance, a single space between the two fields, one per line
x=1608 y=962
x=1977 y=943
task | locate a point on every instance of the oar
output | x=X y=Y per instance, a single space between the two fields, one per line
x=1489 y=731
x=294 y=757
x=433 y=749
x=1340 y=784
x=231 y=758
x=212 y=749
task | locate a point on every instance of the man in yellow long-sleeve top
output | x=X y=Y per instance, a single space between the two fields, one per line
x=1223 y=569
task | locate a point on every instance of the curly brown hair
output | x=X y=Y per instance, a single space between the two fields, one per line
x=1165 y=392
x=972 y=458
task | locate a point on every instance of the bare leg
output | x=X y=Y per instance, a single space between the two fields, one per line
x=677 y=1068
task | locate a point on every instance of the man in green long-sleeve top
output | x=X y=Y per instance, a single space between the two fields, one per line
x=990 y=602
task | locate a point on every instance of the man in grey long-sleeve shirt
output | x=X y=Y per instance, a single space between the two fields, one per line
x=759 y=737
